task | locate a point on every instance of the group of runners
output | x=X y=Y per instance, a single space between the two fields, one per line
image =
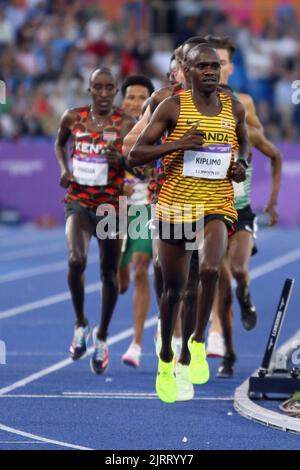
x=166 y=176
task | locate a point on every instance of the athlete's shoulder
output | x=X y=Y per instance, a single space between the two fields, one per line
x=170 y=102
x=226 y=91
x=163 y=93
x=238 y=109
x=83 y=111
x=245 y=99
x=72 y=115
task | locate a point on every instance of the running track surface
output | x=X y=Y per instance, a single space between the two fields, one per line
x=67 y=407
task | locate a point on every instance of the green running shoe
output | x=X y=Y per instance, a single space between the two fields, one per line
x=165 y=381
x=184 y=387
x=198 y=368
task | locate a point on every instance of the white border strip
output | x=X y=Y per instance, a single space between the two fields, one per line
x=250 y=410
x=108 y=396
x=41 y=269
x=18 y=432
x=51 y=300
x=33 y=251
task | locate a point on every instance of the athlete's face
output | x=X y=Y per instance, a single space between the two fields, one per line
x=103 y=91
x=226 y=65
x=173 y=72
x=179 y=74
x=185 y=49
x=204 y=70
x=135 y=97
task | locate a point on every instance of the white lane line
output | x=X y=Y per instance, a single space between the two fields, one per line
x=51 y=300
x=21 y=442
x=109 y=396
x=18 y=432
x=36 y=271
x=276 y=263
x=66 y=362
x=255 y=273
x=16 y=233
x=42 y=269
x=31 y=238
x=92 y=394
x=35 y=251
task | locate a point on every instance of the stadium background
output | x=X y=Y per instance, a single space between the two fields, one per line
x=49 y=48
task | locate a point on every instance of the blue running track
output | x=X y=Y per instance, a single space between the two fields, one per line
x=64 y=406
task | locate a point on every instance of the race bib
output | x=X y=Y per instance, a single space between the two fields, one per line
x=210 y=162
x=89 y=172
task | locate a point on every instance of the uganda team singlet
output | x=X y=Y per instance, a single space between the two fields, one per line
x=199 y=177
x=95 y=181
x=157 y=175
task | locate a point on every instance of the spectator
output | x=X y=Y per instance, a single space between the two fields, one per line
x=6 y=29
x=47 y=46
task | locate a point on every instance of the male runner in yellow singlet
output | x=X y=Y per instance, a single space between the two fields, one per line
x=203 y=127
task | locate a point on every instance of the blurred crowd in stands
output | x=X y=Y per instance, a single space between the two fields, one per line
x=48 y=48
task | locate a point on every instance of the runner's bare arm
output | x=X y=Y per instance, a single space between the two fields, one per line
x=265 y=146
x=237 y=170
x=164 y=119
x=241 y=130
x=132 y=136
x=127 y=125
x=251 y=115
x=60 y=147
x=112 y=154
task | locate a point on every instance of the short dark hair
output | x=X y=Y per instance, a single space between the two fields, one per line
x=173 y=57
x=195 y=40
x=196 y=49
x=190 y=42
x=137 y=80
x=102 y=70
x=222 y=42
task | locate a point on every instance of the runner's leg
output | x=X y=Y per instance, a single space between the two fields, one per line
x=78 y=231
x=141 y=297
x=110 y=252
x=215 y=245
x=175 y=261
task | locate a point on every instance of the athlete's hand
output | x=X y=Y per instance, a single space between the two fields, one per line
x=140 y=172
x=237 y=172
x=65 y=178
x=192 y=139
x=113 y=157
x=271 y=210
